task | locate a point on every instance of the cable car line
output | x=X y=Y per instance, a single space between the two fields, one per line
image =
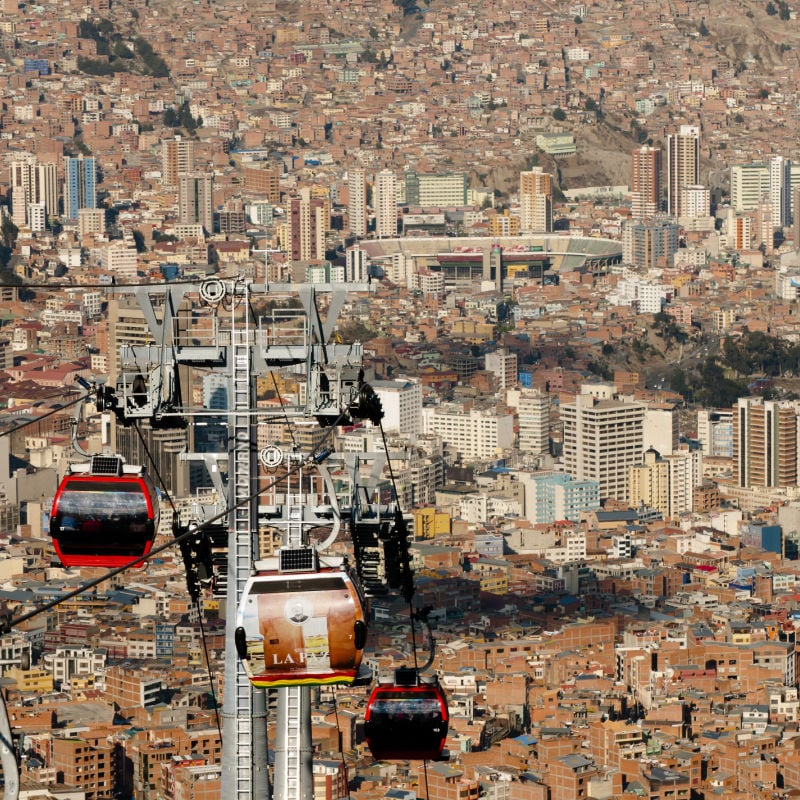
x=208 y=669
x=7 y=622
x=61 y=407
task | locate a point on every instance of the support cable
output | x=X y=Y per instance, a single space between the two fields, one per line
x=319 y=455
x=47 y=414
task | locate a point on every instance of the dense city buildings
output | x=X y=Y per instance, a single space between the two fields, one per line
x=571 y=243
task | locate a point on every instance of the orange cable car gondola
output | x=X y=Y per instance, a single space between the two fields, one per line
x=105 y=514
x=301 y=628
x=407 y=718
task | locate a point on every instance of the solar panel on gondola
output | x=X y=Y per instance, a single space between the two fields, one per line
x=105 y=514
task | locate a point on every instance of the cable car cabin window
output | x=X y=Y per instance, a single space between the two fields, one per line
x=103 y=516
x=406 y=725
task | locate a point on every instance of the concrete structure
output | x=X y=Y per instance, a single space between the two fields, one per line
x=603 y=438
x=472 y=433
x=427 y=190
x=177 y=158
x=195 y=200
x=385 y=202
x=533 y=413
x=309 y=220
x=80 y=185
x=402 y=405
x=645 y=182
x=683 y=166
x=764 y=443
x=503 y=365
x=554 y=496
x=357 y=205
x=536 y=201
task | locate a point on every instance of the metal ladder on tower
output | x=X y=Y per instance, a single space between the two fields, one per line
x=244 y=742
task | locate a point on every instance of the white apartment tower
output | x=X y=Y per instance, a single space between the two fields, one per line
x=661 y=429
x=356 y=265
x=504 y=365
x=473 y=433
x=683 y=166
x=697 y=201
x=533 y=413
x=385 y=204
x=357 y=205
x=603 y=439
x=33 y=184
x=749 y=184
x=780 y=191
x=402 y=405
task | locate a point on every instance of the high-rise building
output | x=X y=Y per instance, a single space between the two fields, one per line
x=195 y=200
x=33 y=184
x=385 y=204
x=764 y=233
x=262 y=182
x=661 y=428
x=472 y=433
x=402 y=405
x=80 y=185
x=764 y=443
x=356 y=265
x=503 y=365
x=426 y=190
x=357 y=204
x=603 y=439
x=683 y=166
x=552 y=496
x=749 y=184
x=715 y=432
x=309 y=221
x=697 y=201
x=91 y=221
x=533 y=412
x=536 y=201
x=666 y=483
x=780 y=190
x=177 y=157
x=650 y=243
x=645 y=182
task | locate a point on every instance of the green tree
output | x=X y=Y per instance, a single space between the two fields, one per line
x=559 y=114
x=9 y=232
x=138 y=240
x=717 y=391
x=677 y=381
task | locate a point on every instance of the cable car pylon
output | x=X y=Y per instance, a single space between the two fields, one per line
x=213 y=326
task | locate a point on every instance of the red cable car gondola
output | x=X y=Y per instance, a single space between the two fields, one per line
x=105 y=514
x=407 y=719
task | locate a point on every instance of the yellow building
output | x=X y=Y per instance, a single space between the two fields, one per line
x=429 y=523
x=35 y=680
x=649 y=483
x=494 y=581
